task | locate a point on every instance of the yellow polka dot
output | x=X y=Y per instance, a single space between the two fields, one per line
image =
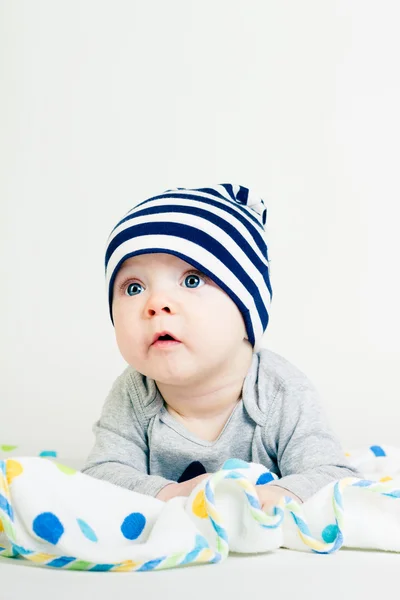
x=387 y=478
x=347 y=454
x=199 y=505
x=1 y=526
x=13 y=469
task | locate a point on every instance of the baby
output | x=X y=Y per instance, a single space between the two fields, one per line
x=189 y=296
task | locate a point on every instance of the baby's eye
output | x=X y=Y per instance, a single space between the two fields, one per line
x=130 y=288
x=192 y=277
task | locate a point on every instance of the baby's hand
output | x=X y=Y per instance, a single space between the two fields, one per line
x=269 y=495
x=180 y=489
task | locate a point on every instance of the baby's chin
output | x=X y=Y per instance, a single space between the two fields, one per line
x=171 y=371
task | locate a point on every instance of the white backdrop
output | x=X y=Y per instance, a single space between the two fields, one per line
x=104 y=103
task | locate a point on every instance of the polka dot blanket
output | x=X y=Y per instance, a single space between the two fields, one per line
x=55 y=516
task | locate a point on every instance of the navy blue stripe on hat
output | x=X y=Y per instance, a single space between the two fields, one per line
x=260 y=264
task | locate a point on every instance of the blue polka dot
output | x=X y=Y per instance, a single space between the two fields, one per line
x=329 y=533
x=235 y=463
x=51 y=453
x=264 y=478
x=378 y=450
x=87 y=530
x=133 y=526
x=48 y=527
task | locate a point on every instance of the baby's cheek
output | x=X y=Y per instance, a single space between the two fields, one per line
x=127 y=342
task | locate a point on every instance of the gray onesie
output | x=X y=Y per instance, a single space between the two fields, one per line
x=278 y=422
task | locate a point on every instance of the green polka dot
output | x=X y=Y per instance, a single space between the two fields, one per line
x=6 y=448
x=65 y=469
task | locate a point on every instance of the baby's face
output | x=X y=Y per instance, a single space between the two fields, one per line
x=160 y=292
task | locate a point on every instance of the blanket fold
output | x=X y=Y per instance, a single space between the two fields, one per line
x=55 y=516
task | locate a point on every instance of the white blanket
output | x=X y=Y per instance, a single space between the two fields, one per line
x=56 y=516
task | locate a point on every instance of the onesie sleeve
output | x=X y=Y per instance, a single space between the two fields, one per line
x=120 y=452
x=299 y=439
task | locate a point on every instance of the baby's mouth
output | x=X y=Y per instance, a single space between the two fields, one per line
x=166 y=341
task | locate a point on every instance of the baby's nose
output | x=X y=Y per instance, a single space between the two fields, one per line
x=154 y=310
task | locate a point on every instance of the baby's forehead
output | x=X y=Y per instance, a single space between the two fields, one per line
x=152 y=260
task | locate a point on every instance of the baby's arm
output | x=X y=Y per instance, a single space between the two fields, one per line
x=120 y=452
x=298 y=437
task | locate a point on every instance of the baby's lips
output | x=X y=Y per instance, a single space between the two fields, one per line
x=162 y=334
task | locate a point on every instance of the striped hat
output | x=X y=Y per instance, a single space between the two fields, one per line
x=218 y=230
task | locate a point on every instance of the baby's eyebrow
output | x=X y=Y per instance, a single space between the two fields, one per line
x=127 y=267
x=133 y=271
